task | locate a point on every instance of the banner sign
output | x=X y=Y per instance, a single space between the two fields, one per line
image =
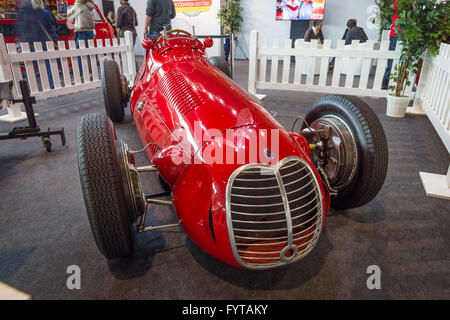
x=189 y=6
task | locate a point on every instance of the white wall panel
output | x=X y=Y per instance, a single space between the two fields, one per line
x=260 y=15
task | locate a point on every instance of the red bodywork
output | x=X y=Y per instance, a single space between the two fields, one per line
x=177 y=90
x=9 y=22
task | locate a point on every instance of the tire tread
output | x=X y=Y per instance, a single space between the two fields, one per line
x=101 y=185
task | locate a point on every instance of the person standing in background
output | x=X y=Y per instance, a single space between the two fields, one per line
x=315 y=32
x=82 y=13
x=46 y=7
x=227 y=44
x=126 y=20
x=159 y=14
x=110 y=18
x=36 y=25
x=393 y=37
x=112 y=21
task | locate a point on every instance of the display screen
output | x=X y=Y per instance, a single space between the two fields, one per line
x=62 y=8
x=300 y=9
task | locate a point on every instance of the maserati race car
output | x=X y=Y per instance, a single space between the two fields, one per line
x=245 y=189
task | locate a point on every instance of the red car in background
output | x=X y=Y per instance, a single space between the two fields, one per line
x=9 y=20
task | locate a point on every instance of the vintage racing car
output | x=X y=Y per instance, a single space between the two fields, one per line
x=245 y=189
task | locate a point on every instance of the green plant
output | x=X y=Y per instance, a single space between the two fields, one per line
x=384 y=15
x=230 y=15
x=422 y=25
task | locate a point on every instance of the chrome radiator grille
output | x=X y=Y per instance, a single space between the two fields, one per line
x=274 y=214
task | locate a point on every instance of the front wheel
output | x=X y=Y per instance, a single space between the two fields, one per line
x=102 y=186
x=350 y=149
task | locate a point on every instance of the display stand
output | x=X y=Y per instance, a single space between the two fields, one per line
x=32 y=130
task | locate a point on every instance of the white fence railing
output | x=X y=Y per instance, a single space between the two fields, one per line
x=433 y=95
x=55 y=72
x=352 y=73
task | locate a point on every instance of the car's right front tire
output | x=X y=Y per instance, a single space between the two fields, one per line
x=102 y=186
x=112 y=90
x=221 y=64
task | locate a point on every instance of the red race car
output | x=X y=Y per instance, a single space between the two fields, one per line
x=245 y=189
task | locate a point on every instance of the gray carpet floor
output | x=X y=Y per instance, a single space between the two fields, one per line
x=44 y=227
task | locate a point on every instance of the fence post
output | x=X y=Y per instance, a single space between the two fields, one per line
x=131 y=58
x=14 y=112
x=253 y=58
x=417 y=107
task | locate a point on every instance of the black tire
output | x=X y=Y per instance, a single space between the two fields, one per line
x=112 y=90
x=221 y=64
x=101 y=184
x=371 y=145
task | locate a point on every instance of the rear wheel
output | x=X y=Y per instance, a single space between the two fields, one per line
x=112 y=90
x=350 y=150
x=221 y=64
x=102 y=186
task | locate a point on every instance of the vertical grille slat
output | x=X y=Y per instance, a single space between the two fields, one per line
x=271 y=210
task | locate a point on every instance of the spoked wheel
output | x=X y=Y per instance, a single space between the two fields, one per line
x=221 y=64
x=350 y=149
x=114 y=87
x=102 y=186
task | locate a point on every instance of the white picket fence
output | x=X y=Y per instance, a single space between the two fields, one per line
x=69 y=76
x=433 y=95
x=352 y=72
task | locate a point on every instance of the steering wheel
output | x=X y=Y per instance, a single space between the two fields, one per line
x=173 y=31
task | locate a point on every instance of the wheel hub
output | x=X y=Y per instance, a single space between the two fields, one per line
x=335 y=151
x=125 y=90
x=135 y=198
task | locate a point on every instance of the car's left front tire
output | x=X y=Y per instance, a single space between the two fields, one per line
x=102 y=186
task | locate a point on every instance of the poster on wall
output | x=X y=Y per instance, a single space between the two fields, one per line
x=201 y=15
x=300 y=9
x=192 y=8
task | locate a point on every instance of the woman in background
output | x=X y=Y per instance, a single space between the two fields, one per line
x=112 y=21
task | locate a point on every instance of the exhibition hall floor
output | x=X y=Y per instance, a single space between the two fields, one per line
x=44 y=227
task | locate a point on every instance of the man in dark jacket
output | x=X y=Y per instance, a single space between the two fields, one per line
x=126 y=19
x=354 y=33
x=159 y=13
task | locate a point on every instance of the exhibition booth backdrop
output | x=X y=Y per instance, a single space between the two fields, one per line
x=258 y=15
x=201 y=14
